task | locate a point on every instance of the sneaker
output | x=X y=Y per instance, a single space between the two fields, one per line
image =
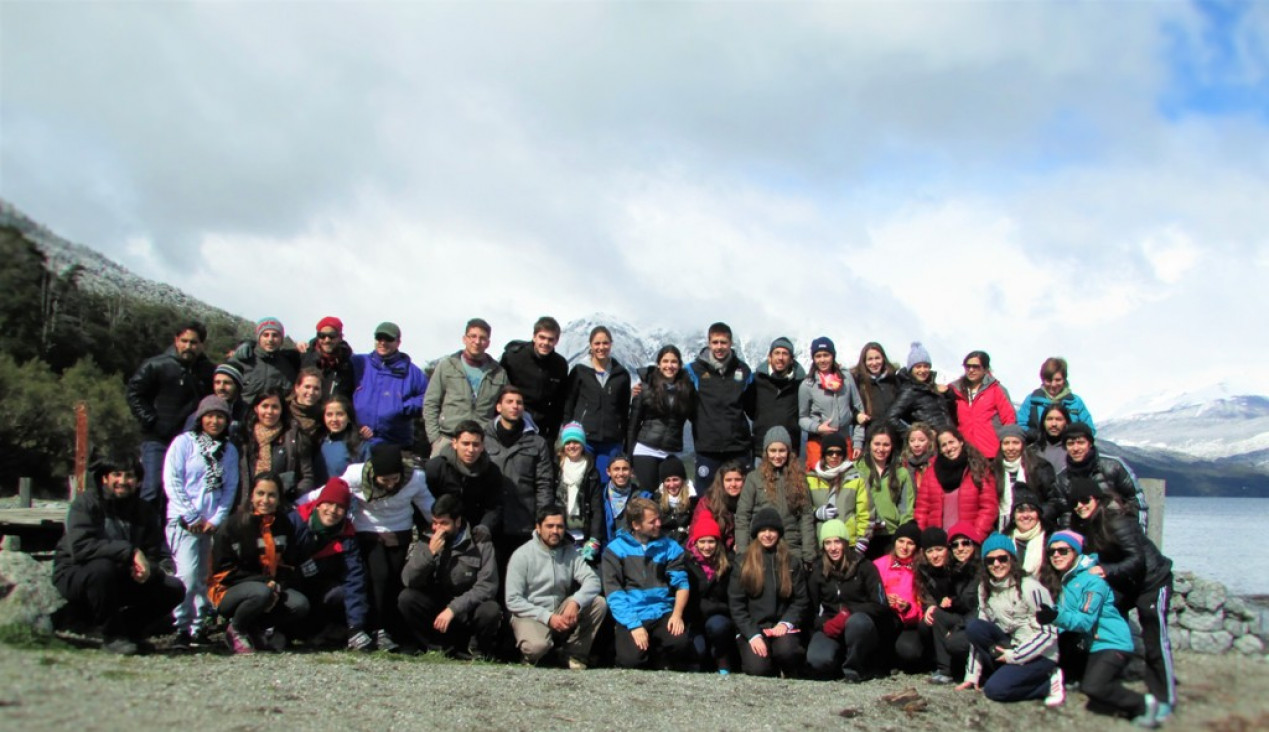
x=271 y=640
x=577 y=664
x=384 y=642
x=940 y=678
x=851 y=676
x=119 y=645
x=724 y=672
x=183 y=641
x=1150 y=718
x=1165 y=711
x=201 y=637
x=238 y=642
x=1057 y=690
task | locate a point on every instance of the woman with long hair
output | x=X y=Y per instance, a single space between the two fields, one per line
x=768 y=600
x=847 y=593
x=658 y=415
x=778 y=483
x=982 y=404
x=891 y=494
x=1009 y=644
x=829 y=402
x=709 y=567
x=578 y=490
x=961 y=487
x=1016 y=464
x=921 y=398
x=874 y=376
x=599 y=398
x=274 y=443
x=722 y=500
x=837 y=492
x=947 y=618
x=342 y=444
x=1026 y=529
x=898 y=576
x=676 y=497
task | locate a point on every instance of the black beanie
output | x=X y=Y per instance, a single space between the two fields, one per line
x=766 y=518
x=833 y=439
x=911 y=531
x=1079 y=429
x=1084 y=488
x=386 y=459
x=671 y=467
x=1024 y=496
x=933 y=536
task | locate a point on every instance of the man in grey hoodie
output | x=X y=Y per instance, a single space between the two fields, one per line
x=553 y=594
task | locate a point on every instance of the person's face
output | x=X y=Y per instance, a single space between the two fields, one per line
x=904 y=547
x=921 y=372
x=264 y=497
x=733 y=483
x=1061 y=556
x=331 y=514
x=779 y=359
x=214 y=423
x=308 y=391
x=511 y=407
x=468 y=447
x=476 y=342
x=777 y=454
x=1026 y=517
x=707 y=545
x=600 y=346
x=551 y=530
x=1077 y=447
x=446 y=526
x=918 y=443
x=874 y=361
x=573 y=450
x=834 y=548
x=269 y=341
x=1055 y=384
x=949 y=446
x=225 y=387
x=880 y=447
x=669 y=365
x=823 y=361
x=834 y=456
x=720 y=346
x=1086 y=508
x=962 y=549
x=619 y=473
x=974 y=370
x=269 y=411
x=1011 y=447
x=936 y=556
x=544 y=342
x=188 y=345
x=673 y=485
x=335 y=417
x=328 y=339
x=1054 y=424
x=998 y=563
x=649 y=527
x=768 y=538
x=388 y=482
x=120 y=483
x=386 y=345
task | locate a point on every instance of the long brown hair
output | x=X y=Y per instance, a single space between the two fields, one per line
x=796 y=495
x=978 y=465
x=846 y=566
x=890 y=470
x=753 y=576
x=864 y=380
x=716 y=499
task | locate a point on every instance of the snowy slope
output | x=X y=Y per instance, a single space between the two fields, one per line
x=1235 y=428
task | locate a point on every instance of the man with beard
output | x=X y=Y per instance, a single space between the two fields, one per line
x=265 y=363
x=1113 y=476
x=389 y=392
x=775 y=386
x=331 y=355
x=541 y=374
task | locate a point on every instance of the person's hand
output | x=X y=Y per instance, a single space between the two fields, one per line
x=443 y=619
x=559 y=623
x=1046 y=615
x=437 y=543
x=675 y=626
x=758 y=646
x=945 y=603
x=366 y=432
x=966 y=685
x=640 y=638
x=776 y=630
x=636 y=390
x=301 y=346
x=929 y=615
x=277 y=595
x=941 y=387
x=207 y=527
x=1098 y=571
x=1001 y=652
x=569 y=611
x=140 y=567
x=826 y=428
x=826 y=512
x=863 y=418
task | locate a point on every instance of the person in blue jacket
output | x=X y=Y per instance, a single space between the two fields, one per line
x=1054 y=389
x=390 y=389
x=331 y=573
x=1085 y=606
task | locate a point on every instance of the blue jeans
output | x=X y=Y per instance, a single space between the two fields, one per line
x=1009 y=681
x=717 y=642
x=604 y=453
x=152 y=454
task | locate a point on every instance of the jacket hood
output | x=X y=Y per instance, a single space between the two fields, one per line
x=706 y=358
x=1082 y=565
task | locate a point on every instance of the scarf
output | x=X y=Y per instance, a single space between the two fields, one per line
x=508 y=436
x=829 y=380
x=308 y=418
x=897 y=563
x=268 y=550
x=830 y=475
x=1033 y=559
x=321 y=531
x=708 y=566
x=211 y=451
x=372 y=488
x=1014 y=467
x=951 y=472
x=616 y=499
x=918 y=462
x=264 y=445
x=1083 y=468
x=572 y=473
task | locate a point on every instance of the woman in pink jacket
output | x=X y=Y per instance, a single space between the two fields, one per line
x=982 y=404
x=898 y=577
x=961 y=487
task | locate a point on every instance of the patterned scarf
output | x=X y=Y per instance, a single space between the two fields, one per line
x=211 y=450
x=264 y=445
x=308 y=418
x=830 y=380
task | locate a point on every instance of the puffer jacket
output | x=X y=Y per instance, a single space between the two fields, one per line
x=978 y=506
x=262 y=371
x=884 y=390
x=165 y=391
x=449 y=398
x=724 y=402
x=799 y=528
x=1132 y=563
x=337 y=377
x=101 y=528
x=1032 y=408
x=1040 y=478
x=776 y=403
x=602 y=409
x=980 y=416
x=849 y=496
x=859 y=590
x=1115 y=479
x=389 y=396
x=1086 y=606
x=818 y=406
x=660 y=426
x=542 y=379
x=463 y=576
x=291 y=460
x=527 y=477
x=919 y=402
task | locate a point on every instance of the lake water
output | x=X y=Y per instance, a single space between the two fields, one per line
x=1219 y=538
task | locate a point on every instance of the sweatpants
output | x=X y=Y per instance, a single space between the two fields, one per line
x=190 y=553
x=784 y=654
x=535 y=639
x=115 y=601
x=1103 y=683
x=852 y=652
x=1152 y=613
x=384 y=555
x=664 y=648
x=1008 y=682
x=246 y=605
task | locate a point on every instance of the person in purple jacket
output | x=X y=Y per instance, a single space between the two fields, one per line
x=389 y=392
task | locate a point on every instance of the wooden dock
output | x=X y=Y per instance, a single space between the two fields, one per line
x=37 y=529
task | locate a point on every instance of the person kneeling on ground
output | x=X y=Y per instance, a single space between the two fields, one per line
x=107 y=564
x=847 y=593
x=640 y=570
x=768 y=601
x=451 y=585
x=332 y=575
x=553 y=594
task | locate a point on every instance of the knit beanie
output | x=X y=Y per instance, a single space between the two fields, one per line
x=1070 y=538
x=211 y=403
x=998 y=540
x=774 y=435
x=266 y=324
x=965 y=529
x=386 y=459
x=933 y=536
x=1024 y=496
x=766 y=518
x=918 y=354
x=1011 y=430
x=703 y=525
x=834 y=529
x=823 y=343
x=1084 y=488
x=232 y=372
x=671 y=467
x=573 y=432
x=833 y=440
x=1079 y=429
x=335 y=491
x=911 y=531
x=781 y=342
x=330 y=321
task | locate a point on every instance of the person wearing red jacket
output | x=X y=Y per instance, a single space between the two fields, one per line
x=961 y=487
x=982 y=404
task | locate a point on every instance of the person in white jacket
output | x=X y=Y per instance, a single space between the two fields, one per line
x=200 y=478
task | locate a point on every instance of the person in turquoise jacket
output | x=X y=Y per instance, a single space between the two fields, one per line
x=1054 y=389
x=1085 y=607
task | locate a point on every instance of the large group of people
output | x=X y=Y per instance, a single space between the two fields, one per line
x=839 y=522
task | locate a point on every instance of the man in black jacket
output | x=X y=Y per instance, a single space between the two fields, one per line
x=541 y=374
x=528 y=476
x=724 y=402
x=329 y=353
x=162 y=394
x=107 y=564
x=464 y=470
x=775 y=386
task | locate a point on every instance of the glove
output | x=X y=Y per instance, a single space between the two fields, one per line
x=590 y=551
x=1046 y=615
x=836 y=625
x=826 y=512
x=861 y=545
x=359 y=641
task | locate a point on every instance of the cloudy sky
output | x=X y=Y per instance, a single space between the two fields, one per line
x=1080 y=179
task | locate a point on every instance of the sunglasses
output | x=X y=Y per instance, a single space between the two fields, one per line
x=1059 y=551
x=962 y=543
x=1085 y=499
x=385 y=338
x=835 y=452
x=997 y=559
x=973 y=367
x=328 y=335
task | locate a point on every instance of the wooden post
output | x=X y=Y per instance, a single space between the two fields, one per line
x=24 y=492
x=81 y=449
x=1155 y=491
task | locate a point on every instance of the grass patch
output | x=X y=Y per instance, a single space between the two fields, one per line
x=118 y=674
x=20 y=635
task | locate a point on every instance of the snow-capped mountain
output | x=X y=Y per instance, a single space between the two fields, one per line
x=1234 y=428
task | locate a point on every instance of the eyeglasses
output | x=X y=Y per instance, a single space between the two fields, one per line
x=962 y=544
x=1059 y=551
x=328 y=335
x=997 y=559
x=836 y=452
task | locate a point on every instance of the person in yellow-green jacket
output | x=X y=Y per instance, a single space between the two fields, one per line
x=838 y=493
x=891 y=493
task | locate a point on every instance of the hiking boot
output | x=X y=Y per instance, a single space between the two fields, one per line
x=119 y=645
x=238 y=642
x=384 y=642
x=270 y=640
x=576 y=664
x=1057 y=690
x=183 y=641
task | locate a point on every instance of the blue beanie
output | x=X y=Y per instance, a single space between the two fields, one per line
x=573 y=432
x=998 y=540
x=918 y=354
x=823 y=343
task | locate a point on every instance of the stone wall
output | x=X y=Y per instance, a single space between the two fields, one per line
x=1206 y=618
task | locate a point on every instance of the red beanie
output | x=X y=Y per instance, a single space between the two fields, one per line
x=335 y=491
x=965 y=529
x=332 y=322
x=703 y=525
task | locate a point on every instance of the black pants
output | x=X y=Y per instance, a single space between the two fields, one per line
x=852 y=652
x=909 y=650
x=1103 y=683
x=384 y=555
x=247 y=605
x=1152 y=612
x=419 y=609
x=647 y=472
x=663 y=648
x=105 y=590
x=951 y=646
x=783 y=654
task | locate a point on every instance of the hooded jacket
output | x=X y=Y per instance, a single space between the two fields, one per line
x=919 y=402
x=463 y=576
x=979 y=417
x=542 y=379
x=106 y=528
x=1032 y=409
x=526 y=476
x=478 y=486
x=185 y=482
x=1086 y=606
x=640 y=580
x=850 y=498
x=389 y=396
x=165 y=391
x=335 y=559
x=540 y=579
x=724 y=401
x=660 y=426
x=776 y=402
x=450 y=399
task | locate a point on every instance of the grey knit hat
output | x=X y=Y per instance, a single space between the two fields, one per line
x=774 y=435
x=781 y=342
x=918 y=354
